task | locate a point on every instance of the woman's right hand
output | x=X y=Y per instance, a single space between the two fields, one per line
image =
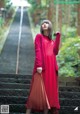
x=39 y=69
x=56 y=33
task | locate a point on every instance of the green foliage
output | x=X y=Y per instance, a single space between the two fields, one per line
x=66 y=70
x=8 y=4
x=43 y=3
x=34 y=6
x=69 y=57
x=68 y=31
x=31 y=1
x=1 y=21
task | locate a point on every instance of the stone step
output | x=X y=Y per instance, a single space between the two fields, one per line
x=70 y=95
x=15 y=80
x=21 y=109
x=12 y=99
x=75 y=83
x=4 y=85
x=14 y=92
x=68 y=81
x=64 y=81
x=69 y=88
x=61 y=78
x=22 y=100
x=28 y=76
x=69 y=110
x=25 y=92
x=67 y=78
x=69 y=102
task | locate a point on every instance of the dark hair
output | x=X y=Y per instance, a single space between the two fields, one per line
x=49 y=28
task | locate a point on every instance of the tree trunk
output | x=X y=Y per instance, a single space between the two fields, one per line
x=38 y=2
x=50 y=10
x=78 y=19
x=67 y=15
x=57 y=17
x=60 y=18
x=2 y=3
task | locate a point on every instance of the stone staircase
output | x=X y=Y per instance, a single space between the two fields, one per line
x=14 y=90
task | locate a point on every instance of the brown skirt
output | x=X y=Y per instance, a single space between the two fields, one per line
x=37 y=99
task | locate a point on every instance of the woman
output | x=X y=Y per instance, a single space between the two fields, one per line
x=46 y=50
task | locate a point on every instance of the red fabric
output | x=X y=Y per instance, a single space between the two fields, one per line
x=37 y=99
x=50 y=49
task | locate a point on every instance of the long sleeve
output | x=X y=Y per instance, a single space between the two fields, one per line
x=56 y=43
x=38 y=57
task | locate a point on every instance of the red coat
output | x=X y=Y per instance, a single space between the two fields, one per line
x=45 y=57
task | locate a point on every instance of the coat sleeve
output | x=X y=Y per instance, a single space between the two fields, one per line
x=38 y=57
x=56 y=43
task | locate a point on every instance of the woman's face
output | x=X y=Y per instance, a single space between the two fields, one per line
x=45 y=26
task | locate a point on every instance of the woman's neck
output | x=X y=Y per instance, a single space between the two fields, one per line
x=46 y=33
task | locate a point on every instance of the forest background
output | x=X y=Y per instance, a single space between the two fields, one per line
x=65 y=17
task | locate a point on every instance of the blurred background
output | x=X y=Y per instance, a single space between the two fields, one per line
x=65 y=17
